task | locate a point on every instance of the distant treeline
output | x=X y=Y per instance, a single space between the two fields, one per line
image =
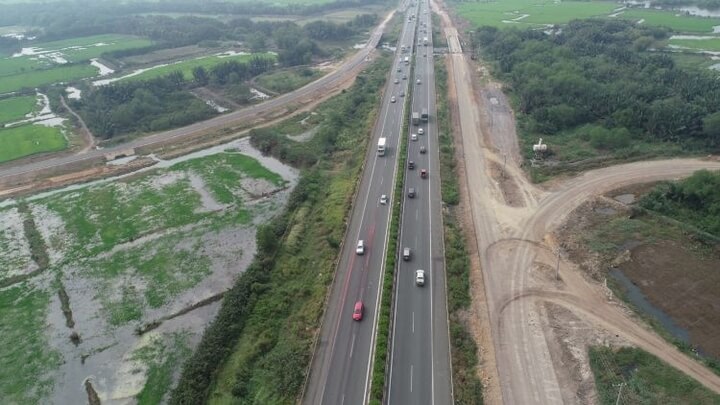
x=294 y=43
x=161 y=103
x=68 y=18
x=601 y=77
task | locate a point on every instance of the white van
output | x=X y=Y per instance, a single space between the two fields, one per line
x=360 y=249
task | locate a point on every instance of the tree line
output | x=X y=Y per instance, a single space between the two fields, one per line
x=160 y=103
x=602 y=77
x=695 y=200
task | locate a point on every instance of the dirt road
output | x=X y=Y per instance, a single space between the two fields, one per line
x=517 y=249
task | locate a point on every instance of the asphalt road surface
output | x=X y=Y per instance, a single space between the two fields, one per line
x=341 y=366
x=311 y=91
x=420 y=370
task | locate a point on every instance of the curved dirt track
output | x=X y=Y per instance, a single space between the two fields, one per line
x=515 y=241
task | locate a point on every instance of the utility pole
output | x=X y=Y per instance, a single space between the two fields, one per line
x=621 y=385
x=504 y=164
x=557 y=266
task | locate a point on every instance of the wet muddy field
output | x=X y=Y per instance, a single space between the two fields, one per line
x=136 y=267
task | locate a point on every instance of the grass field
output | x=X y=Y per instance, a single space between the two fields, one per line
x=284 y=81
x=186 y=67
x=679 y=23
x=531 y=12
x=12 y=66
x=29 y=139
x=27 y=359
x=698 y=44
x=40 y=78
x=15 y=108
x=646 y=379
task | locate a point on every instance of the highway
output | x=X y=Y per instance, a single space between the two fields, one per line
x=315 y=90
x=420 y=371
x=342 y=363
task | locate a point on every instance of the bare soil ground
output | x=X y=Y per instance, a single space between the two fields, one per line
x=477 y=319
x=677 y=275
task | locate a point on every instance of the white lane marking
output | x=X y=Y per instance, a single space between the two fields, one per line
x=411 y=377
x=413 y=322
x=352 y=346
x=417 y=214
x=382 y=274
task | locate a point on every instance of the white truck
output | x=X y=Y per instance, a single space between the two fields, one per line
x=381 y=146
x=425 y=41
x=407 y=60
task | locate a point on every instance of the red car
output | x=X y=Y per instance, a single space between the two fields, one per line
x=423 y=173
x=358 y=312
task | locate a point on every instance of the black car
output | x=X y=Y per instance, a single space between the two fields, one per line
x=422 y=149
x=411 y=192
x=411 y=164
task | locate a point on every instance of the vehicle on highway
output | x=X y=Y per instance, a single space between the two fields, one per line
x=402 y=94
x=423 y=149
x=416 y=118
x=399 y=69
x=411 y=164
x=382 y=142
x=392 y=99
x=413 y=137
x=360 y=249
x=406 y=254
x=358 y=311
x=420 y=277
x=396 y=81
x=383 y=199
x=418 y=81
x=425 y=55
x=404 y=77
x=423 y=173
x=421 y=131
x=411 y=192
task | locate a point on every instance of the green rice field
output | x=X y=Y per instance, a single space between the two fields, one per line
x=15 y=108
x=528 y=13
x=698 y=44
x=39 y=78
x=679 y=23
x=531 y=12
x=25 y=140
x=86 y=48
x=186 y=67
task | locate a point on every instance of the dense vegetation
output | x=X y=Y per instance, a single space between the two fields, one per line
x=295 y=44
x=160 y=103
x=695 y=200
x=142 y=106
x=645 y=379
x=597 y=81
x=268 y=319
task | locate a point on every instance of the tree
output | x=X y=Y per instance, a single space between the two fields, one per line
x=200 y=76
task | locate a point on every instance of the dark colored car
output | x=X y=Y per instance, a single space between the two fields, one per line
x=423 y=149
x=411 y=164
x=423 y=173
x=411 y=192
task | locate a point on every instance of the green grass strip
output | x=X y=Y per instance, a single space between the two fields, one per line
x=27 y=140
x=15 y=108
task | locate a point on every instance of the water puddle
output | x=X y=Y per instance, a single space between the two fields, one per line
x=44 y=117
x=73 y=93
x=605 y=211
x=136 y=72
x=258 y=95
x=638 y=299
x=103 y=70
x=625 y=198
